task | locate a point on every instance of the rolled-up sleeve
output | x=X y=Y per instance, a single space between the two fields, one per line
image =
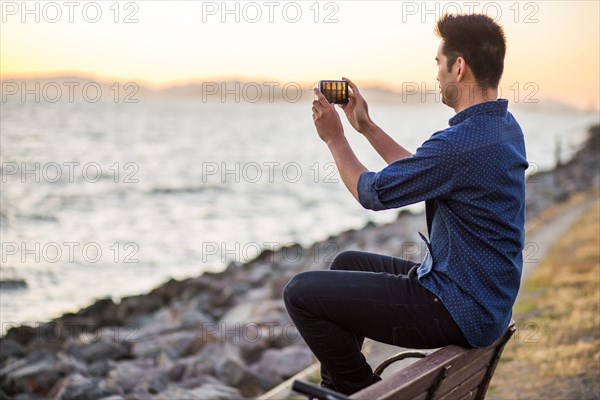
x=367 y=195
x=429 y=173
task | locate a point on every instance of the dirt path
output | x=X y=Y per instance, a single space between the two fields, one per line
x=540 y=243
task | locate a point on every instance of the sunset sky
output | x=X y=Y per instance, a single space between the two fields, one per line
x=553 y=46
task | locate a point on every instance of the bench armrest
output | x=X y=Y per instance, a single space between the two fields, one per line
x=400 y=356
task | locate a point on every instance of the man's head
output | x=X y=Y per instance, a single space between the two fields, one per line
x=471 y=53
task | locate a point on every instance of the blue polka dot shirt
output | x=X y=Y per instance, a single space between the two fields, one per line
x=472 y=179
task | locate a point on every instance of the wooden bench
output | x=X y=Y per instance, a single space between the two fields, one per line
x=450 y=373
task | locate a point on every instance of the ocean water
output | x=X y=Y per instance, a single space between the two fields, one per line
x=112 y=199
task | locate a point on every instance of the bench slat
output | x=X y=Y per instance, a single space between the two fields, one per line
x=415 y=379
x=463 y=368
x=463 y=388
x=423 y=396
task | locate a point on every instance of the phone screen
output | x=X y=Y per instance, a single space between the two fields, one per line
x=334 y=91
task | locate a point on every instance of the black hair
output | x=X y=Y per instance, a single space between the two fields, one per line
x=479 y=40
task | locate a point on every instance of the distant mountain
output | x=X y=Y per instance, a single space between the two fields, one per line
x=260 y=91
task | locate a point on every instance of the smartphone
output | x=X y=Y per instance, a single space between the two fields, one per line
x=335 y=92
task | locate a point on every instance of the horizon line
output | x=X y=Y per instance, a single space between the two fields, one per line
x=305 y=85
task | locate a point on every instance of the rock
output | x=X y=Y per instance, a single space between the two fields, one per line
x=67 y=364
x=134 y=306
x=194 y=288
x=212 y=391
x=208 y=334
x=105 y=348
x=267 y=255
x=35 y=374
x=223 y=361
x=250 y=324
x=176 y=371
x=12 y=365
x=66 y=328
x=266 y=335
x=127 y=334
x=13 y=284
x=76 y=386
x=172 y=344
x=170 y=290
x=22 y=396
x=147 y=387
x=259 y=294
x=256 y=312
x=10 y=348
x=283 y=334
x=257 y=274
x=281 y=364
x=292 y=256
x=22 y=334
x=126 y=374
x=211 y=307
x=201 y=365
x=177 y=316
x=251 y=350
x=138 y=377
x=278 y=283
x=232 y=371
x=100 y=368
x=103 y=311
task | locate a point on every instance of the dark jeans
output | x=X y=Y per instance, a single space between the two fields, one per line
x=365 y=295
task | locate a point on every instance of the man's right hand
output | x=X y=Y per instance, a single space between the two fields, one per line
x=357 y=110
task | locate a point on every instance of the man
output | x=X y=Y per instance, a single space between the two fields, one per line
x=471 y=177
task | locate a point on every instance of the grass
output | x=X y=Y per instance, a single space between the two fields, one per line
x=534 y=225
x=555 y=352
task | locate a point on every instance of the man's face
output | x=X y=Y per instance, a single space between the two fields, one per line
x=447 y=80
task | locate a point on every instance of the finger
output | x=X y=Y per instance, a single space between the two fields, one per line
x=351 y=84
x=316 y=112
x=351 y=98
x=351 y=101
x=321 y=98
x=317 y=106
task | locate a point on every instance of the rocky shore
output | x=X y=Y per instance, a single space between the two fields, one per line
x=221 y=335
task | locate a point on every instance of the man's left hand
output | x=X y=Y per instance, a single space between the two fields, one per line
x=326 y=119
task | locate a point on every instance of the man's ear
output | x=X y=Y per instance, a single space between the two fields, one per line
x=461 y=66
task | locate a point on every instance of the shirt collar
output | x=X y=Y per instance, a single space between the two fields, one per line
x=498 y=108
